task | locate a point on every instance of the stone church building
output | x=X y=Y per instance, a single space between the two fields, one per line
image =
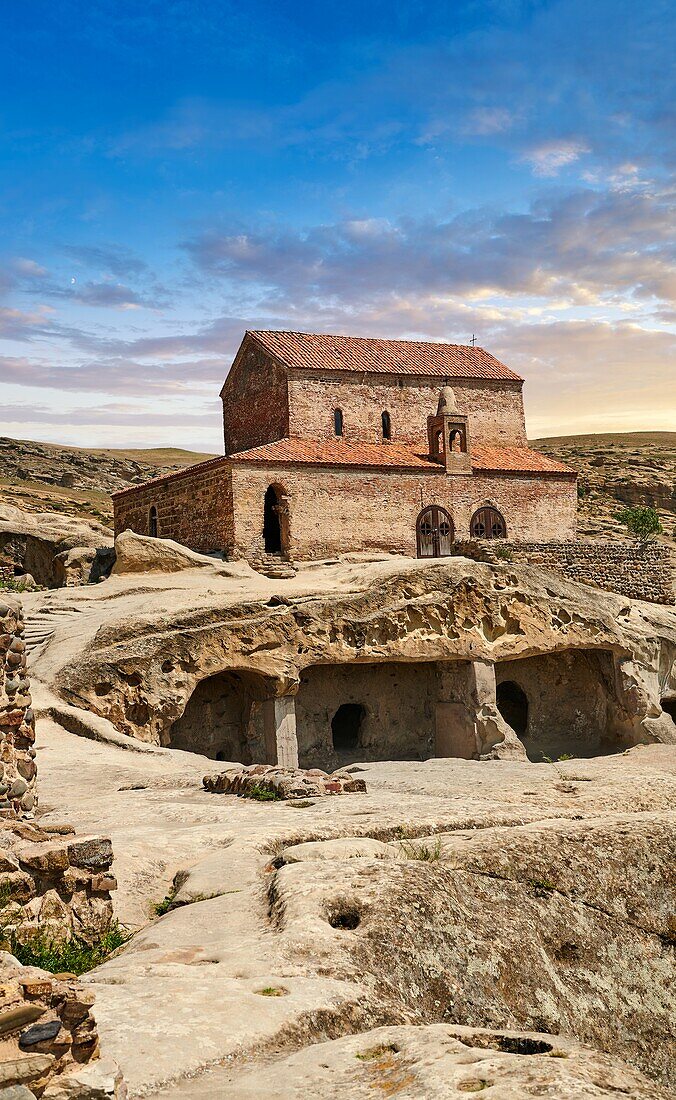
x=336 y=444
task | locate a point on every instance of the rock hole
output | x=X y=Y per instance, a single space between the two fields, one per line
x=508 y=1044
x=669 y=707
x=345 y=917
x=513 y=706
x=346 y=726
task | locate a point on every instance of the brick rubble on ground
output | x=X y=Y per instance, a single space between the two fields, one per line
x=286 y=783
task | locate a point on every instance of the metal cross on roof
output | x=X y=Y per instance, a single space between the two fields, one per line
x=473 y=341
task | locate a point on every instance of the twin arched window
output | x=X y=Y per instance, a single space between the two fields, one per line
x=487 y=523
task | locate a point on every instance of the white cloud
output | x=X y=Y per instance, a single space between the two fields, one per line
x=549 y=158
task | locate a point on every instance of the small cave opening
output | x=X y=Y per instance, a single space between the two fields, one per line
x=346 y=726
x=669 y=707
x=513 y=706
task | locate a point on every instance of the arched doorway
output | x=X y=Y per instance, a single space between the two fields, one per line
x=513 y=706
x=488 y=523
x=434 y=532
x=272 y=531
x=346 y=726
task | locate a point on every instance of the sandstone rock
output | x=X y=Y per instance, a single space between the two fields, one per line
x=31 y=1068
x=14 y=1018
x=440 y=1061
x=100 y=1080
x=343 y=848
x=92 y=852
x=138 y=554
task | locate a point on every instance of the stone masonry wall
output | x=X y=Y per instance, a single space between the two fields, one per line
x=194 y=507
x=17 y=733
x=638 y=572
x=495 y=409
x=338 y=511
x=255 y=400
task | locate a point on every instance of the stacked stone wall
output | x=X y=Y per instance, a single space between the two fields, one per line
x=194 y=507
x=17 y=729
x=630 y=569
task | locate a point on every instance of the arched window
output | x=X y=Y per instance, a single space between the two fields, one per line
x=338 y=421
x=487 y=523
x=152 y=523
x=387 y=425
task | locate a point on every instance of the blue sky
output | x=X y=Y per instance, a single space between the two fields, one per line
x=174 y=172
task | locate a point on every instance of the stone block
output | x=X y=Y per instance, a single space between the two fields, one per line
x=95 y=852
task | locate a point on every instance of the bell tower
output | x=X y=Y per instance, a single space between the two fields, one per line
x=448 y=435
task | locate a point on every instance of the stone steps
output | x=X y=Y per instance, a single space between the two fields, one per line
x=274 y=566
x=40 y=626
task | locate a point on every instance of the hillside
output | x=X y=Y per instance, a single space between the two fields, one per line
x=40 y=477
x=615 y=470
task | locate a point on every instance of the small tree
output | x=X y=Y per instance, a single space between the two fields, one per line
x=643 y=523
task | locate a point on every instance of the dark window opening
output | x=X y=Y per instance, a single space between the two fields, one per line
x=152 y=523
x=456 y=441
x=346 y=726
x=669 y=707
x=513 y=706
x=387 y=425
x=338 y=421
x=272 y=533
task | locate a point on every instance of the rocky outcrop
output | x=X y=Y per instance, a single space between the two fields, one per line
x=282 y=783
x=140 y=673
x=438 y=1061
x=53 y=550
x=138 y=554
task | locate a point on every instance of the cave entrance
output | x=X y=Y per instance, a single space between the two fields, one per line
x=669 y=707
x=346 y=726
x=513 y=706
x=562 y=704
x=223 y=718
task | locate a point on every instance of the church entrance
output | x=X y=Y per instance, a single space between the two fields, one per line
x=272 y=532
x=434 y=532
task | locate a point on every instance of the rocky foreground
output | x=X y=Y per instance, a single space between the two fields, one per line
x=459 y=926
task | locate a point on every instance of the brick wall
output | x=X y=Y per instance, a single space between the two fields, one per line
x=495 y=408
x=17 y=728
x=638 y=572
x=255 y=400
x=194 y=507
x=337 y=511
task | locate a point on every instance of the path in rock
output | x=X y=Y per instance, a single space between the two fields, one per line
x=189 y=996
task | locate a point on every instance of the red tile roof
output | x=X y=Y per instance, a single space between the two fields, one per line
x=330 y=452
x=185 y=471
x=317 y=351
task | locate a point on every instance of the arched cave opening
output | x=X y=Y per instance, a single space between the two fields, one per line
x=513 y=706
x=346 y=726
x=223 y=719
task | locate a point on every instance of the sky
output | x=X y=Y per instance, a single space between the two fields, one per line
x=177 y=171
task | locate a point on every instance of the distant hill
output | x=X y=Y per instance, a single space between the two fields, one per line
x=616 y=470
x=76 y=481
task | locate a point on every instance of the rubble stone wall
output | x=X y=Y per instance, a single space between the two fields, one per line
x=495 y=408
x=638 y=572
x=17 y=728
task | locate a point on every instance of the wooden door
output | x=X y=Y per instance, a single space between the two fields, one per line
x=434 y=531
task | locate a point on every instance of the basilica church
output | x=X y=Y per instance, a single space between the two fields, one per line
x=339 y=444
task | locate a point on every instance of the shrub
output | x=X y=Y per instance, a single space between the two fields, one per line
x=259 y=793
x=73 y=956
x=643 y=523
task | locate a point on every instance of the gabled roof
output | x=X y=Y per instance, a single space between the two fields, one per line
x=317 y=351
x=335 y=452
